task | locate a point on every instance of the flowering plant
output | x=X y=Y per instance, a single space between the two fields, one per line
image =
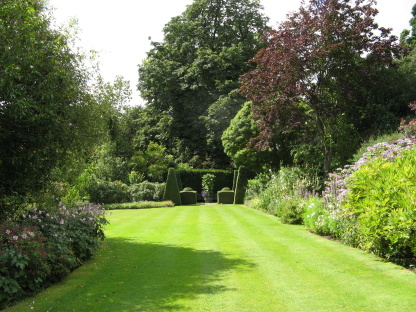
x=43 y=246
x=208 y=184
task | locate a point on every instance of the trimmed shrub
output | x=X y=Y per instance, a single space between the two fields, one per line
x=147 y=191
x=193 y=178
x=225 y=196
x=172 y=189
x=188 y=196
x=139 y=205
x=241 y=185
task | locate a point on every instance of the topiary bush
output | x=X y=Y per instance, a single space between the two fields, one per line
x=225 y=196
x=172 y=190
x=193 y=178
x=240 y=186
x=188 y=196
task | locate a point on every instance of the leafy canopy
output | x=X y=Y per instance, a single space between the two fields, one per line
x=313 y=76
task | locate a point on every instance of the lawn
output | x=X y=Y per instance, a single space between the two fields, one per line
x=224 y=258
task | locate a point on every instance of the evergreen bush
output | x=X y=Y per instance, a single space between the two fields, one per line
x=193 y=178
x=172 y=188
x=241 y=185
x=226 y=196
x=188 y=196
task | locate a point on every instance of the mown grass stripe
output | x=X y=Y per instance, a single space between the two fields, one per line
x=225 y=258
x=331 y=270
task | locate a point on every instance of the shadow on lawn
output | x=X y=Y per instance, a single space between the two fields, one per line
x=153 y=277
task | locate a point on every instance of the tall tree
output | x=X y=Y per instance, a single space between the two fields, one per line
x=204 y=52
x=409 y=36
x=316 y=76
x=45 y=108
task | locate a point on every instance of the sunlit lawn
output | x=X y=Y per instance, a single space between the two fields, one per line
x=225 y=258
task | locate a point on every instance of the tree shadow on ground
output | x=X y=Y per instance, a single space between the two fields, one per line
x=153 y=277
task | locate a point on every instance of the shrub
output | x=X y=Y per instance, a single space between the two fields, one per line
x=283 y=194
x=208 y=183
x=226 y=196
x=42 y=247
x=147 y=191
x=316 y=217
x=193 y=178
x=139 y=205
x=106 y=192
x=172 y=190
x=240 y=186
x=381 y=199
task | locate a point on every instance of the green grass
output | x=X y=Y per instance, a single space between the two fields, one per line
x=225 y=258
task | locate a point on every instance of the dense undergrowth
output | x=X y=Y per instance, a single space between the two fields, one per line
x=370 y=204
x=41 y=247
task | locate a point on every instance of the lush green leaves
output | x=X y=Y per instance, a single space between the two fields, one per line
x=204 y=52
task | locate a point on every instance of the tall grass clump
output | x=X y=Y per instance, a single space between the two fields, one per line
x=42 y=246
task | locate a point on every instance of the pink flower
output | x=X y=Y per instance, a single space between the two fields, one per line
x=8 y=232
x=15 y=237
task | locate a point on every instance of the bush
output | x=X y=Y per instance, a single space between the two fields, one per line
x=139 y=205
x=43 y=247
x=147 y=191
x=284 y=194
x=193 y=178
x=172 y=189
x=381 y=199
x=316 y=217
x=106 y=192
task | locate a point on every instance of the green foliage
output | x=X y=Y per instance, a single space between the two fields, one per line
x=283 y=194
x=44 y=246
x=316 y=217
x=225 y=196
x=381 y=200
x=240 y=186
x=198 y=64
x=334 y=82
x=147 y=191
x=172 y=189
x=193 y=178
x=389 y=138
x=139 y=205
x=188 y=196
x=208 y=183
x=153 y=162
x=45 y=108
x=409 y=36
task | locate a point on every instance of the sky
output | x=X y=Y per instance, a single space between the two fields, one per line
x=120 y=30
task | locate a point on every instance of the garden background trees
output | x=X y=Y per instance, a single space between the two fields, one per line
x=204 y=52
x=327 y=78
x=48 y=116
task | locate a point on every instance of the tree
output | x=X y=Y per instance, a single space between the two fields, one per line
x=45 y=108
x=317 y=79
x=236 y=138
x=409 y=36
x=204 y=52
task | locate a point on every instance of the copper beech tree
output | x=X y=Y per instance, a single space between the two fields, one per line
x=313 y=78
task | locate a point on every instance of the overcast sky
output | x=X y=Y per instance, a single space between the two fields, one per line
x=120 y=30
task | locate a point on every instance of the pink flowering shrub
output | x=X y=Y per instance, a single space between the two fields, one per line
x=43 y=246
